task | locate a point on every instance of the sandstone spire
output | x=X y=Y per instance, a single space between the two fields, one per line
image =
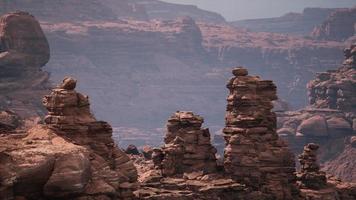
x=254 y=154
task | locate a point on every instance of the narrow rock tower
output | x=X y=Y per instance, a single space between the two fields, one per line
x=310 y=176
x=254 y=154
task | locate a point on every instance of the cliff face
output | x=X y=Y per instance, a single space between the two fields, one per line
x=290 y=61
x=339 y=26
x=292 y=23
x=141 y=70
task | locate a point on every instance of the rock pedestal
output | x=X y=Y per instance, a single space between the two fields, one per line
x=254 y=154
x=310 y=176
x=70 y=117
x=187 y=146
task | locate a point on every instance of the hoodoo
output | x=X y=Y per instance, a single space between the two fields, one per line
x=254 y=154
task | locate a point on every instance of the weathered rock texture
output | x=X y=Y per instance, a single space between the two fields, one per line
x=331 y=114
x=339 y=26
x=310 y=175
x=187 y=146
x=254 y=154
x=71 y=157
x=24 y=50
x=336 y=89
x=343 y=166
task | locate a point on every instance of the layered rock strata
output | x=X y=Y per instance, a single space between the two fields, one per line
x=254 y=154
x=336 y=89
x=71 y=157
x=338 y=26
x=69 y=115
x=331 y=115
x=187 y=146
x=310 y=175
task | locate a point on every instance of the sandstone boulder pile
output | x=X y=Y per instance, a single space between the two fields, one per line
x=254 y=154
x=310 y=175
x=187 y=146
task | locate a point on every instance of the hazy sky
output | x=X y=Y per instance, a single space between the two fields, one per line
x=245 y=9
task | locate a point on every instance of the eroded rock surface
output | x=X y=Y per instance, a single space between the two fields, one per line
x=254 y=154
x=330 y=118
x=71 y=157
x=24 y=50
x=187 y=146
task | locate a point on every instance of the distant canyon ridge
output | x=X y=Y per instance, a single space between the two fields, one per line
x=141 y=60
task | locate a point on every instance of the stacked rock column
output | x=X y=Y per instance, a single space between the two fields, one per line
x=187 y=146
x=69 y=115
x=254 y=155
x=310 y=176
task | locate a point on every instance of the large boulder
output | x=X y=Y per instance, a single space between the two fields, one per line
x=22 y=41
x=314 y=127
x=339 y=126
x=70 y=176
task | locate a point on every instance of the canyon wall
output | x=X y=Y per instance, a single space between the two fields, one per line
x=291 y=23
x=339 y=26
x=138 y=71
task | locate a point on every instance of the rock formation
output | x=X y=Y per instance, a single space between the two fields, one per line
x=24 y=50
x=339 y=26
x=172 y=52
x=311 y=176
x=336 y=89
x=71 y=157
x=330 y=118
x=187 y=146
x=254 y=154
x=343 y=166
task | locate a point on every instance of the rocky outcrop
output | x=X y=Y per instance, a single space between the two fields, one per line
x=172 y=54
x=343 y=166
x=187 y=146
x=24 y=50
x=291 y=23
x=72 y=156
x=336 y=89
x=310 y=176
x=339 y=26
x=315 y=185
x=330 y=117
x=254 y=154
